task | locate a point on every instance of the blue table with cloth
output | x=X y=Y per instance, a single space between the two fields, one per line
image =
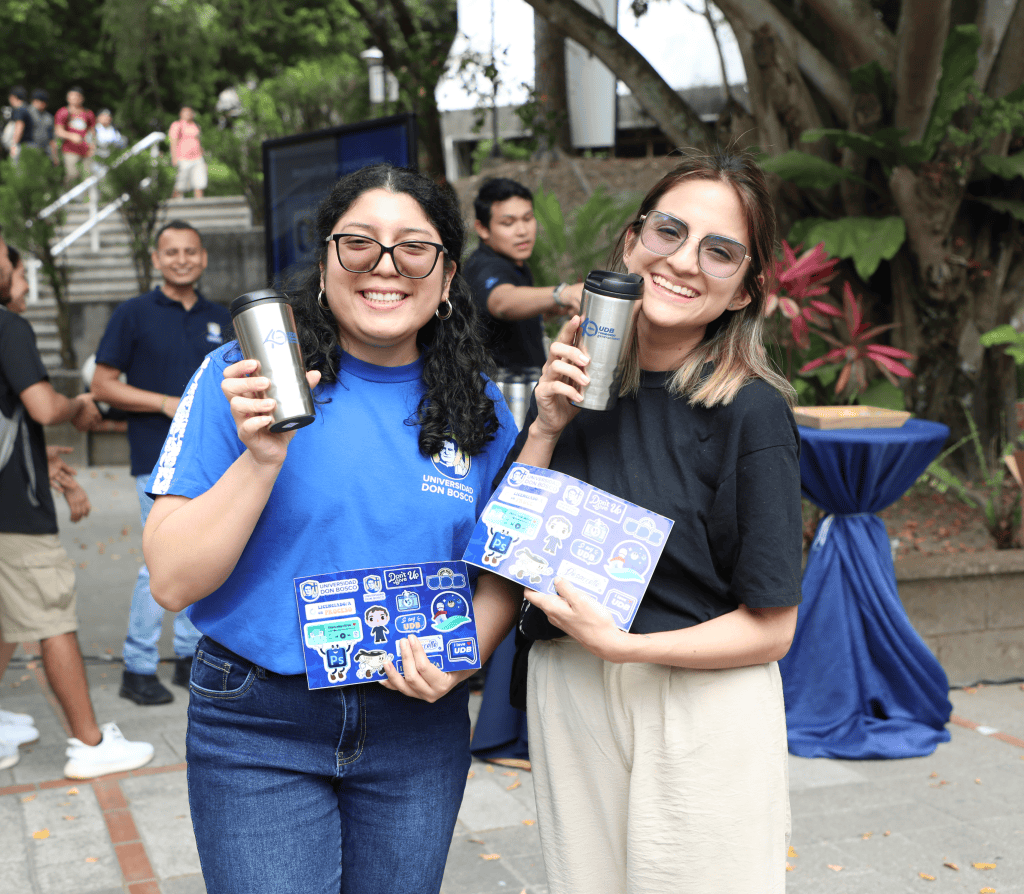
x=859 y=681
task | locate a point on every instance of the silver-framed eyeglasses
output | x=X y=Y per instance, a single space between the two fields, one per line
x=717 y=256
x=361 y=254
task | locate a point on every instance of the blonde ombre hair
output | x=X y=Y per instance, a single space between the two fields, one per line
x=734 y=342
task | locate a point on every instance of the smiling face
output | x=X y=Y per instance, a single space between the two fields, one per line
x=680 y=300
x=380 y=313
x=180 y=258
x=512 y=231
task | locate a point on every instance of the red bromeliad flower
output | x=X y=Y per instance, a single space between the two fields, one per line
x=800 y=280
x=856 y=353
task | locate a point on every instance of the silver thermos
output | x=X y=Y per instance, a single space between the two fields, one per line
x=605 y=333
x=517 y=396
x=265 y=329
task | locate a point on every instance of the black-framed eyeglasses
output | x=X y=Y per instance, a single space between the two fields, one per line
x=361 y=254
x=717 y=256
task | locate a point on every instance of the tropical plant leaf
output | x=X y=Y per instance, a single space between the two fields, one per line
x=1005 y=166
x=867 y=241
x=1013 y=207
x=1001 y=335
x=959 y=60
x=887 y=145
x=884 y=394
x=808 y=171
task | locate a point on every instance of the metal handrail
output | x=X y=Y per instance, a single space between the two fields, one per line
x=96 y=216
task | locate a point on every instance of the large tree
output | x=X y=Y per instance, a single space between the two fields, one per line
x=895 y=126
x=415 y=37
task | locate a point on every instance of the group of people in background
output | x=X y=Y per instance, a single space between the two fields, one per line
x=659 y=754
x=75 y=134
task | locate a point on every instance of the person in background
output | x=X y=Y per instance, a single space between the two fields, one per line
x=187 y=155
x=511 y=306
x=37 y=578
x=353 y=790
x=22 y=131
x=42 y=125
x=659 y=754
x=73 y=125
x=16 y=299
x=108 y=137
x=157 y=340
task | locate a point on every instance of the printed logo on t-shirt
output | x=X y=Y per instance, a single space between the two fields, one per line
x=453 y=464
x=491 y=282
x=451 y=461
x=213 y=334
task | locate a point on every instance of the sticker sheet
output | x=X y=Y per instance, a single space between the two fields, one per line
x=541 y=524
x=351 y=620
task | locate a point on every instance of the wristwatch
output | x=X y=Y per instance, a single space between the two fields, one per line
x=557 y=293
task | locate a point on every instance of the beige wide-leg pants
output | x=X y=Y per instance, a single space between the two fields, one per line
x=657 y=780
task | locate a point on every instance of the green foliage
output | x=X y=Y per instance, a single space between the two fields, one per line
x=1005 y=166
x=808 y=171
x=959 y=60
x=303 y=98
x=999 y=504
x=516 y=151
x=886 y=145
x=867 y=241
x=1005 y=335
x=28 y=187
x=1013 y=207
x=145 y=182
x=569 y=247
x=882 y=393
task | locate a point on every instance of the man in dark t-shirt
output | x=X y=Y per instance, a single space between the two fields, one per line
x=22 y=120
x=512 y=308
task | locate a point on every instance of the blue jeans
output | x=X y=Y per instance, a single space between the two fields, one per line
x=353 y=790
x=146 y=618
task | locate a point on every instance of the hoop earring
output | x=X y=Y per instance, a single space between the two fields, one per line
x=321 y=302
x=437 y=313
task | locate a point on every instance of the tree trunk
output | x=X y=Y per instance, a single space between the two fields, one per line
x=551 y=124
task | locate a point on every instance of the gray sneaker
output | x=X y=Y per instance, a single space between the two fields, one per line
x=114 y=754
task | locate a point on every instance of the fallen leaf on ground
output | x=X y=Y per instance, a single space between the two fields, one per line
x=124 y=531
x=792 y=852
x=72 y=791
x=926 y=877
x=71 y=817
x=476 y=841
x=490 y=856
x=790 y=867
x=977 y=782
x=28 y=798
x=471 y=774
x=933 y=775
x=91 y=859
x=513 y=786
x=41 y=834
x=866 y=835
x=510 y=773
x=987 y=891
x=835 y=867
x=529 y=822
x=887 y=833
x=951 y=866
x=490 y=769
x=984 y=865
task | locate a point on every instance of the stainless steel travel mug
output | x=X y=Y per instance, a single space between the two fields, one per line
x=605 y=332
x=265 y=329
x=517 y=396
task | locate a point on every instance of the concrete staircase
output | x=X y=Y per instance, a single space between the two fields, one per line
x=109 y=274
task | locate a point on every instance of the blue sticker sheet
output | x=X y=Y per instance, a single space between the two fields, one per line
x=351 y=620
x=541 y=524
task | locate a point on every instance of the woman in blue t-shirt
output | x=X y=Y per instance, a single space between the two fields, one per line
x=352 y=789
x=659 y=754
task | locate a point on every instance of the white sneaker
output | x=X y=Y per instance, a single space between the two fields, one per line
x=9 y=755
x=13 y=719
x=114 y=754
x=17 y=733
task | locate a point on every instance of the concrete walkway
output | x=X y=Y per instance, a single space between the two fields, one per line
x=858 y=827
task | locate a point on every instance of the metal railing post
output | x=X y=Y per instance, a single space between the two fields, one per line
x=94 y=233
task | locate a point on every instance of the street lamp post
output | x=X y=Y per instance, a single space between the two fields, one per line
x=374 y=60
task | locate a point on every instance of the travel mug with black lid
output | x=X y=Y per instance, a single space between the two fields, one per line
x=606 y=330
x=265 y=329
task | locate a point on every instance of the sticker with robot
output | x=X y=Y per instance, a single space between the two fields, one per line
x=541 y=524
x=351 y=621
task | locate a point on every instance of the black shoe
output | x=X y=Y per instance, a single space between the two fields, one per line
x=182 y=671
x=144 y=689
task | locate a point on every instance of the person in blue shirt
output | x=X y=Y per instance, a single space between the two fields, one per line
x=352 y=789
x=156 y=341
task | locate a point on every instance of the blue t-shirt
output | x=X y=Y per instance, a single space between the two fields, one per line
x=354 y=492
x=158 y=344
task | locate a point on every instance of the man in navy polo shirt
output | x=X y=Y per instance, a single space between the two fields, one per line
x=157 y=340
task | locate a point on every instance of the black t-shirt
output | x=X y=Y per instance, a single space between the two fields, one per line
x=22 y=114
x=729 y=477
x=23 y=509
x=514 y=344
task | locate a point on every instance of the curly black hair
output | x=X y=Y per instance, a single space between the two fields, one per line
x=455 y=403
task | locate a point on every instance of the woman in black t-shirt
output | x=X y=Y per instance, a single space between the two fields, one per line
x=659 y=754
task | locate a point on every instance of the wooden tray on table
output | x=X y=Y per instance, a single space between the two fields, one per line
x=850 y=417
